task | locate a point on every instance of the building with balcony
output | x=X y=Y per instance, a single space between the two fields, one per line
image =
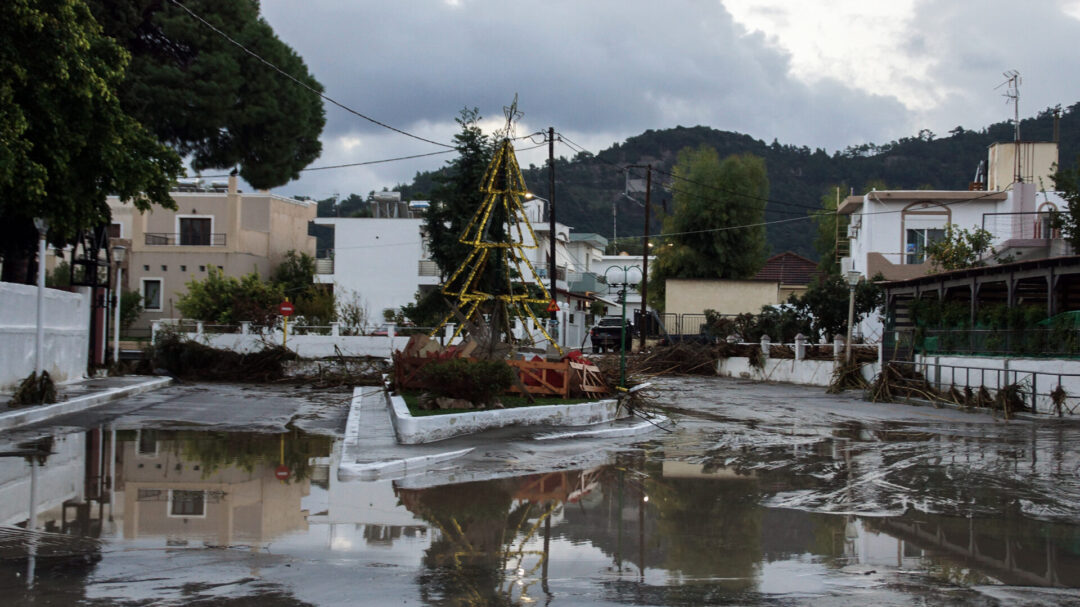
x=887 y=231
x=215 y=227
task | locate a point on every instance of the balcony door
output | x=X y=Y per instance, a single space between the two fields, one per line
x=196 y=231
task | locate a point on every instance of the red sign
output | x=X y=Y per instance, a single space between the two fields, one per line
x=286 y=308
x=553 y=307
x=282 y=473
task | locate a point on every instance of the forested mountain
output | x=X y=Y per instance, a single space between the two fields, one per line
x=587 y=186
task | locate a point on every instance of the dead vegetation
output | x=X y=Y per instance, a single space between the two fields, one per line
x=35 y=390
x=190 y=360
x=903 y=382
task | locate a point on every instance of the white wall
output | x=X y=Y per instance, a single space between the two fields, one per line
x=67 y=333
x=378 y=259
x=1044 y=372
x=60 y=478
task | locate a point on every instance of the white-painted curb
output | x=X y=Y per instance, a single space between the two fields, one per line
x=641 y=427
x=34 y=414
x=417 y=430
x=394 y=468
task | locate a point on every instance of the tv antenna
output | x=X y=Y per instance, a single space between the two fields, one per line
x=1012 y=95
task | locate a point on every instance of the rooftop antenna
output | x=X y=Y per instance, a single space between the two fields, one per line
x=1012 y=95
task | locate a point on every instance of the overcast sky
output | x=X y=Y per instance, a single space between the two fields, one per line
x=820 y=73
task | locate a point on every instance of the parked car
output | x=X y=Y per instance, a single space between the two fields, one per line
x=607 y=333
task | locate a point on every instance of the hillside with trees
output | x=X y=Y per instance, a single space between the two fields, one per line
x=587 y=186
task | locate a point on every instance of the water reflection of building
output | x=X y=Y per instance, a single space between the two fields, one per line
x=1018 y=551
x=61 y=477
x=166 y=494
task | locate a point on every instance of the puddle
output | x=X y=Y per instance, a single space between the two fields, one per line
x=194 y=517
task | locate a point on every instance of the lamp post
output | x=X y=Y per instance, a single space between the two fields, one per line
x=42 y=226
x=118 y=255
x=852 y=277
x=626 y=282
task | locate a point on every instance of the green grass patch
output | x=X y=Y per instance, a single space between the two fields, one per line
x=412 y=400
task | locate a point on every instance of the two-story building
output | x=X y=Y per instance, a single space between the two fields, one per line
x=888 y=230
x=213 y=227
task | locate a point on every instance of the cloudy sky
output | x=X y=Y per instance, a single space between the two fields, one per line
x=820 y=73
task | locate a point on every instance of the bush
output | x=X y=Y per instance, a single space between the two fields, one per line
x=478 y=382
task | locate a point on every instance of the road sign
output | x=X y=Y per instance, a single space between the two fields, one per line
x=282 y=473
x=553 y=307
x=286 y=309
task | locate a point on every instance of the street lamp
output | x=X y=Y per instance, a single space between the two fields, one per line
x=42 y=226
x=118 y=256
x=853 y=277
x=630 y=277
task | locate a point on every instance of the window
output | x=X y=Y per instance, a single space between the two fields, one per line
x=164 y=268
x=917 y=239
x=151 y=294
x=146 y=268
x=116 y=230
x=183 y=268
x=202 y=268
x=187 y=503
x=195 y=231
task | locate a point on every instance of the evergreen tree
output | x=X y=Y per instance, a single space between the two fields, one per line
x=457 y=195
x=712 y=227
x=207 y=98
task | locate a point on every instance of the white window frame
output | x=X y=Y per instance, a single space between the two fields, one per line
x=168 y=510
x=142 y=292
x=212 y=226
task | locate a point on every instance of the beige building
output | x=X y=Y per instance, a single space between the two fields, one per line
x=215 y=227
x=167 y=494
x=694 y=295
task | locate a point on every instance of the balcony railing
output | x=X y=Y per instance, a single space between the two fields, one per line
x=324 y=265
x=428 y=268
x=1020 y=226
x=165 y=239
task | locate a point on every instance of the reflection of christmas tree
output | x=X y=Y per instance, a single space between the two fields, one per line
x=489 y=281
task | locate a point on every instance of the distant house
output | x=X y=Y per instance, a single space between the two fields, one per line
x=781 y=276
x=213 y=227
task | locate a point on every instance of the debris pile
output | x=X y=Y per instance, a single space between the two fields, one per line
x=188 y=359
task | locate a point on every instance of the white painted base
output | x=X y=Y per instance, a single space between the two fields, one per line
x=788 y=370
x=416 y=430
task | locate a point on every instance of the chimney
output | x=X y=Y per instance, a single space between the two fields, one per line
x=233 y=189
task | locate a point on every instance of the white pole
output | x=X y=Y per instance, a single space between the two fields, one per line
x=116 y=317
x=40 y=343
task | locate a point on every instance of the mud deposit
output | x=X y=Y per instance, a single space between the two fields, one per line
x=761 y=495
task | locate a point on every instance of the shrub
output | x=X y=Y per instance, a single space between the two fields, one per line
x=478 y=381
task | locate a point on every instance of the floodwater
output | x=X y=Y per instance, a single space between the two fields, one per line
x=754 y=498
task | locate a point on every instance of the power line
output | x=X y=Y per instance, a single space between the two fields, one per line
x=304 y=84
x=351 y=164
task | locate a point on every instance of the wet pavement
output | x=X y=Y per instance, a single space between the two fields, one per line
x=773 y=495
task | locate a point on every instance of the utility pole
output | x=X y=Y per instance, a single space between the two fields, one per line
x=552 y=266
x=645 y=262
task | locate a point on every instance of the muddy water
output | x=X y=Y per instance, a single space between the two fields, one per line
x=832 y=505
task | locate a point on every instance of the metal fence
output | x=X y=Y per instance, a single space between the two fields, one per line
x=1031 y=342
x=1034 y=387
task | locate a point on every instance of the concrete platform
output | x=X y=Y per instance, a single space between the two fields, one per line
x=79 y=396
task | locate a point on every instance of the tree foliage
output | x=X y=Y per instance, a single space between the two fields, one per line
x=65 y=140
x=207 y=98
x=711 y=196
x=230 y=300
x=1067 y=183
x=457 y=196
x=960 y=248
x=825 y=303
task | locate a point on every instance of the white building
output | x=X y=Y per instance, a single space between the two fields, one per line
x=382 y=262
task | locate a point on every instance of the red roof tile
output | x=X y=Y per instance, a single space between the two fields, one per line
x=789 y=269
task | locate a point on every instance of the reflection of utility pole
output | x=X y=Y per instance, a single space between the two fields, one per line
x=547 y=552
